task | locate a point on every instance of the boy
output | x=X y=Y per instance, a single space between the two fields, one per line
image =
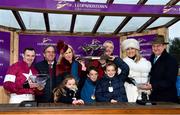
x=88 y=89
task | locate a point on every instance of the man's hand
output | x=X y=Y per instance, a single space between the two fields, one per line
x=40 y=87
x=111 y=58
x=78 y=102
x=113 y=101
x=145 y=86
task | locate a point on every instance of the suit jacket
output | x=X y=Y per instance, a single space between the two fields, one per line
x=43 y=68
x=163 y=78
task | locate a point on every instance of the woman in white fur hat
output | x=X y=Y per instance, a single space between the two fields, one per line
x=139 y=68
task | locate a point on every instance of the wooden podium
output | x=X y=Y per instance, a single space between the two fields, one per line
x=97 y=108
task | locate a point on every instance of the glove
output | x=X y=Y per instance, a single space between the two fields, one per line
x=130 y=81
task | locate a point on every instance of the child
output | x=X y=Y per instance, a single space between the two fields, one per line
x=111 y=87
x=66 y=92
x=88 y=89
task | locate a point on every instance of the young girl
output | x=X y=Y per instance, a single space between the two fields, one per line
x=67 y=92
x=111 y=87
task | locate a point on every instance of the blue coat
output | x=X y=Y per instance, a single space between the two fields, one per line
x=163 y=78
x=117 y=82
x=88 y=91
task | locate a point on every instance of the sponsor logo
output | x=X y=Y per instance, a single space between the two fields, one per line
x=1 y=64
x=61 y=4
x=1 y=52
x=46 y=41
x=168 y=9
x=1 y=77
x=1 y=41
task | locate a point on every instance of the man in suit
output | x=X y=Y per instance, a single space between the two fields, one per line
x=47 y=67
x=163 y=73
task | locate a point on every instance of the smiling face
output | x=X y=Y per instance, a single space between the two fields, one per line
x=71 y=84
x=93 y=75
x=158 y=49
x=68 y=55
x=110 y=71
x=131 y=52
x=29 y=56
x=49 y=54
x=109 y=46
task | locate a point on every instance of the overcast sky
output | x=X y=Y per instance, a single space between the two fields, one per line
x=174 y=30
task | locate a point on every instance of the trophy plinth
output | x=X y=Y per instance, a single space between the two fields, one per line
x=143 y=95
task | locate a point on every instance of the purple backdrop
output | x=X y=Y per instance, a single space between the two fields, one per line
x=4 y=54
x=67 y=7
x=40 y=41
x=145 y=44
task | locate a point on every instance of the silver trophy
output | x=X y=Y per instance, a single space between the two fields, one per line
x=40 y=79
x=143 y=95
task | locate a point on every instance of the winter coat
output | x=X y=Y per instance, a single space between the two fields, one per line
x=163 y=78
x=66 y=68
x=139 y=71
x=69 y=96
x=102 y=92
x=88 y=91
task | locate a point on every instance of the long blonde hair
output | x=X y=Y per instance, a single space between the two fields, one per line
x=137 y=55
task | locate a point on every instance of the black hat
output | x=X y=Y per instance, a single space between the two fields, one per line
x=159 y=40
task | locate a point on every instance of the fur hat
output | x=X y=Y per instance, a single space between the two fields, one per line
x=159 y=40
x=61 y=46
x=130 y=43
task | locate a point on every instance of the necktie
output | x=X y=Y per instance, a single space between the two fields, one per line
x=50 y=69
x=155 y=59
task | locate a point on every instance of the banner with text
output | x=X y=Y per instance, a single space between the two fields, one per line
x=145 y=44
x=38 y=42
x=87 y=7
x=4 y=54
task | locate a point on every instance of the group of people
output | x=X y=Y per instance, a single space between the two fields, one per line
x=105 y=80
